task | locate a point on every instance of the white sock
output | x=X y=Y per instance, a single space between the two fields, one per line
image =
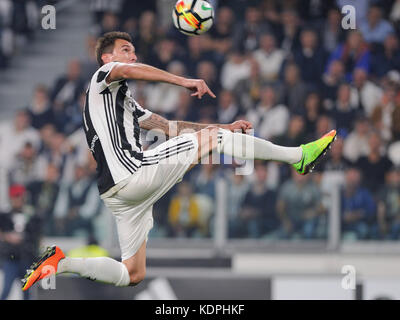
x=102 y=269
x=248 y=147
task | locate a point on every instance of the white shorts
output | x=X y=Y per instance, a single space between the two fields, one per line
x=162 y=167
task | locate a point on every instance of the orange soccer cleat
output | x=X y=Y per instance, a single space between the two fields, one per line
x=45 y=267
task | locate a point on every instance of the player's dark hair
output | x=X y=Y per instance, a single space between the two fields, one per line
x=105 y=44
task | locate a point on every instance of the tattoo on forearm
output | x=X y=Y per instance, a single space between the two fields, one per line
x=155 y=121
x=189 y=126
x=171 y=128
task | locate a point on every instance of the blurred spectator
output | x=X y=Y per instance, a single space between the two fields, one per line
x=100 y=7
x=354 y=53
x=271 y=13
x=333 y=170
x=204 y=178
x=163 y=97
x=198 y=50
x=20 y=232
x=207 y=71
x=184 y=214
x=248 y=90
x=147 y=36
x=332 y=31
x=184 y=111
x=309 y=57
x=343 y=112
x=330 y=83
x=395 y=14
x=358 y=208
x=248 y=32
x=78 y=204
x=356 y=143
x=134 y=9
x=382 y=61
x=237 y=67
x=375 y=165
x=375 y=29
x=223 y=29
x=25 y=167
x=46 y=134
x=19 y=132
x=389 y=206
x=40 y=110
x=269 y=118
x=336 y=161
x=293 y=90
x=43 y=195
x=312 y=111
x=56 y=151
x=66 y=91
x=299 y=207
x=289 y=29
x=324 y=124
x=257 y=215
x=384 y=114
x=364 y=92
x=295 y=133
x=237 y=190
x=165 y=51
x=108 y=22
x=269 y=57
x=73 y=114
x=7 y=35
x=228 y=109
x=314 y=11
x=89 y=64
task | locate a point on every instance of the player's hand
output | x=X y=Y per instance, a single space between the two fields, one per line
x=242 y=125
x=199 y=88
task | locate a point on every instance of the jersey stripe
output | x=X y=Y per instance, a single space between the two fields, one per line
x=119 y=106
x=155 y=161
x=117 y=134
x=167 y=150
x=112 y=133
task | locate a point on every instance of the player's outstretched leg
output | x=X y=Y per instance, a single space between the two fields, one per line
x=103 y=269
x=302 y=158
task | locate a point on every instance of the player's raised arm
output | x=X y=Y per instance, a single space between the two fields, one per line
x=140 y=71
x=118 y=47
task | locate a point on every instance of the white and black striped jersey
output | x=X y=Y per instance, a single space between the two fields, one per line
x=111 y=122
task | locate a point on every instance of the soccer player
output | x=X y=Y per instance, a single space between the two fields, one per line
x=131 y=180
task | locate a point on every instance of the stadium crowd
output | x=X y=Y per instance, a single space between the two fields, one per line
x=287 y=66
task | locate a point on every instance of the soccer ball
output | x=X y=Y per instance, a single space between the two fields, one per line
x=193 y=17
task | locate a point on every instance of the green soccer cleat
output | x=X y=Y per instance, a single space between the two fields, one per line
x=313 y=151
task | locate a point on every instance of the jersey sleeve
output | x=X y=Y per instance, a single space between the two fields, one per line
x=142 y=113
x=101 y=75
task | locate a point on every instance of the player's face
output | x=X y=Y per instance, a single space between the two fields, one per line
x=124 y=51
